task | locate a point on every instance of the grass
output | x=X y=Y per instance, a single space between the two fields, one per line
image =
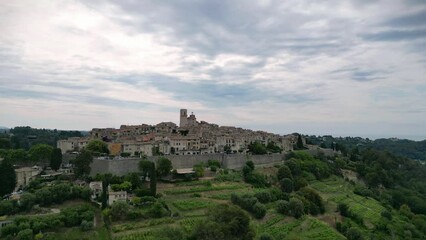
x=192 y=204
x=305 y=228
x=197 y=189
x=76 y=234
x=141 y=224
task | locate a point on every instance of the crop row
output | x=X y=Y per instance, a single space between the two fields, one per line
x=203 y=189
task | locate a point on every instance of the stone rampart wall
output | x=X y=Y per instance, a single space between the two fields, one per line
x=231 y=161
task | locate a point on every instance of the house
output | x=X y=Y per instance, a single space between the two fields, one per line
x=116 y=196
x=96 y=188
x=25 y=175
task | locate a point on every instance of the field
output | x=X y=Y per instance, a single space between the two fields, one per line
x=335 y=190
x=191 y=200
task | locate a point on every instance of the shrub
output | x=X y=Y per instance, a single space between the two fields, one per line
x=284 y=172
x=259 y=210
x=314 y=198
x=286 y=185
x=282 y=207
x=265 y=236
x=257 y=180
x=213 y=163
x=263 y=197
x=119 y=210
x=26 y=234
x=299 y=183
x=10 y=229
x=296 y=208
x=343 y=209
x=86 y=225
x=157 y=210
x=249 y=203
x=354 y=234
x=386 y=214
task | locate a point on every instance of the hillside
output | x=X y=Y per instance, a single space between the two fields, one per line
x=25 y=137
x=402 y=147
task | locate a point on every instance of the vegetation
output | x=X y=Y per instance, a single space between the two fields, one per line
x=7 y=178
x=224 y=222
x=97 y=147
x=359 y=194
x=82 y=163
x=25 y=137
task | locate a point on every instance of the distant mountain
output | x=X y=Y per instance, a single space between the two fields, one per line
x=6 y=128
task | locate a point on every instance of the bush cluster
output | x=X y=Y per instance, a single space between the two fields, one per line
x=249 y=203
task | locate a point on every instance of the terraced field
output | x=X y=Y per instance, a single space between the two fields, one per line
x=191 y=200
x=336 y=190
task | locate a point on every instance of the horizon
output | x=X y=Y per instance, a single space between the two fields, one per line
x=416 y=138
x=332 y=67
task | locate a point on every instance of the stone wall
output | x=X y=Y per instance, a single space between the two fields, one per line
x=231 y=161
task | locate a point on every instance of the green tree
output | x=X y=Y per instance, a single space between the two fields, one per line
x=284 y=172
x=5 y=143
x=119 y=210
x=134 y=178
x=224 y=222
x=56 y=159
x=164 y=166
x=97 y=146
x=299 y=144
x=296 y=208
x=287 y=185
x=17 y=156
x=272 y=147
x=82 y=163
x=257 y=148
x=40 y=153
x=144 y=166
x=199 y=170
x=7 y=178
x=26 y=234
x=153 y=180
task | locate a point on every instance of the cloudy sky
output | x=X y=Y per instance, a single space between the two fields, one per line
x=314 y=67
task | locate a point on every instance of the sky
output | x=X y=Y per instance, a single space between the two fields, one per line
x=345 y=68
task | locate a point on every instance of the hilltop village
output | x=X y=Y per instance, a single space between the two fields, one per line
x=191 y=137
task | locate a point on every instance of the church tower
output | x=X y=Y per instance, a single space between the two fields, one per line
x=183 y=118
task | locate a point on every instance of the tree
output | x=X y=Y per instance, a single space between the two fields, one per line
x=250 y=164
x=296 y=208
x=82 y=163
x=299 y=144
x=119 y=210
x=7 y=178
x=144 y=166
x=97 y=146
x=17 y=156
x=284 y=172
x=5 y=143
x=40 y=153
x=164 y=166
x=257 y=148
x=56 y=159
x=26 y=234
x=287 y=185
x=224 y=222
x=153 y=180
x=199 y=170
x=134 y=178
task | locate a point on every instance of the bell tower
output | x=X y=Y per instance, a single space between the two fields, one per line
x=183 y=118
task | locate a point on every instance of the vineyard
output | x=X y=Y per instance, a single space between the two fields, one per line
x=335 y=190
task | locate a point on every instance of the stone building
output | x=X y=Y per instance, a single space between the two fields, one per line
x=191 y=137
